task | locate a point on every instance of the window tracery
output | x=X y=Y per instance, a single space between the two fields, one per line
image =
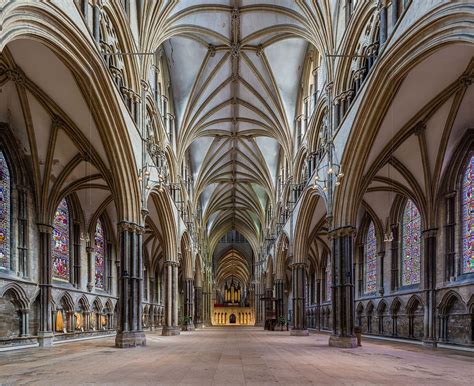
x=370 y=260
x=5 y=213
x=60 y=249
x=468 y=218
x=411 y=244
x=99 y=255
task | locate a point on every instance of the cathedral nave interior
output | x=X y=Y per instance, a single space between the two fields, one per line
x=250 y=170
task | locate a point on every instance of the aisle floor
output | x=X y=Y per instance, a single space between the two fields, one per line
x=227 y=356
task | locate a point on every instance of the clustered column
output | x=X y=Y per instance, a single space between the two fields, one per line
x=45 y=331
x=129 y=331
x=171 y=299
x=189 y=304
x=268 y=303
x=430 y=287
x=298 y=276
x=198 y=304
x=343 y=288
x=280 y=312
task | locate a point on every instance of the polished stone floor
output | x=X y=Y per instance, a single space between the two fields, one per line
x=226 y=356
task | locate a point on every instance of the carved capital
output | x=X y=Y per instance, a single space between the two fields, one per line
x=45 y=228
x=348 y=230
x=429 y=233
x=329 y=86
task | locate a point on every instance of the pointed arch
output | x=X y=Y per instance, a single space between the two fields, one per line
x=410 y=244
x=5 y=212
x=61 y=242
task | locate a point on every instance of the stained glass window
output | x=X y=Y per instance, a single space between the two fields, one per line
x=411 y=244
x=371 y=260
x=61 y=242
x=328 y=280
x=99 y=255
x=468 y=218
x=4 y=213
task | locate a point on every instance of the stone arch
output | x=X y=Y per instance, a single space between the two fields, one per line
x=282 y=243
x=395 y=306
x=48 y=29
x=455 y=322
x=164 y=210
x=66 y=301
x=364 y=19
x=186 y=256
x=311 y=201
x=382 y=317
x=17 y=295
x=84 y=303
x=369 y=313
x=300 y=171
x=359 y=144
x=415 y=313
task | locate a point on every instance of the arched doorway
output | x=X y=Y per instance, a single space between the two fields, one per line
x=232 y=319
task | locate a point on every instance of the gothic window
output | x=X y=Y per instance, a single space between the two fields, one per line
x=468 y=218
x=411 y=244
x=370 y=260
x=99 y=255
x=60 y=249
x=5 y=207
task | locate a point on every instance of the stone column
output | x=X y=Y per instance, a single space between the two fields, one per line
x=171 y=299
x=45 y=335
x=343 y=288
x=383 y=22
x=198 y=307
x=318 y=306
x=110 y=321
x=23 y=266
x=24 y=322
x=429 y=269
x=96 y=23
x=129 y=329
x=86 y=323
x=298 y=279
x=70 y=321
x=280 y=312
x=395 y=11
x=189 y=303
x=90 y=268
x=268 y=305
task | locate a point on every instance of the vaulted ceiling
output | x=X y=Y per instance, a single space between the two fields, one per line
x=235 y=71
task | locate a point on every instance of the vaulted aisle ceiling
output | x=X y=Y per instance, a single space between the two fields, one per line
x=235 y=69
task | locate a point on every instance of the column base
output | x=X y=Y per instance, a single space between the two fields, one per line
x=430 y=343
x=128 y=339
x=298 y=332
x=189 y=327
x=343 y=341
x=170 y=331
x=45 y=339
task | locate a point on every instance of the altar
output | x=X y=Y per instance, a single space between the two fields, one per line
x=228 y=315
